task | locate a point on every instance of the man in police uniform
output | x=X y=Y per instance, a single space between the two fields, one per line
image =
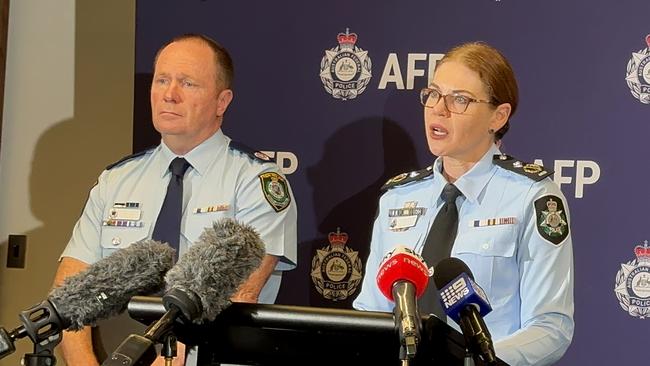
x=189 y=96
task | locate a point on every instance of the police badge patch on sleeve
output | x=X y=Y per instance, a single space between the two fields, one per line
x=275 y=190
x=552 y=221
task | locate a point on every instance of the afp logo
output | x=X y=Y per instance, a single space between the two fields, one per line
x=336 y=269
x=638 y=74
x=346 y=69
x=633 y=283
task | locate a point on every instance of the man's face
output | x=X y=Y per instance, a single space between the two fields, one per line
x=187 y=105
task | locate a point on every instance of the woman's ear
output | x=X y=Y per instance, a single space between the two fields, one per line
x=500 y=116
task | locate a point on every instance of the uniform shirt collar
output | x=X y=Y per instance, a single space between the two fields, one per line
x=201 y=157
x=474 y=180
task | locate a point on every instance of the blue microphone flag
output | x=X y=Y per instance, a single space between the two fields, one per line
x=459 y=293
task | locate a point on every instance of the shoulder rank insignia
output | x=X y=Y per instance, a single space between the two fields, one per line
x=252 y=153
x=405 y=178
x=127 y=158
x=275 y=190
x=552 y=221
x=530 y=170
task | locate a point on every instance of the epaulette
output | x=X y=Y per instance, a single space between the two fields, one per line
x=127 y=158
x=409 y=177
x=254 y=154
x=530 y=170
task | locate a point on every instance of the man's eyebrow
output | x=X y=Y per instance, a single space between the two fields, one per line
x=180 y=76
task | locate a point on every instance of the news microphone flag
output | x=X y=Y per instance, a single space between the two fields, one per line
x=402 y=264
x=459 y=293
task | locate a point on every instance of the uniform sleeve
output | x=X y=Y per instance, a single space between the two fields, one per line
x=545 y=259
x=370 y=298
x=265 y=201
x=84 y=244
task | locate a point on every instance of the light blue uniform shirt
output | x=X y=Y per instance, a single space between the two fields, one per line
x=221 y=178
x=528 y=279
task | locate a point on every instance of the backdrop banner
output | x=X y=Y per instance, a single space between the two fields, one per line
x=330 y=89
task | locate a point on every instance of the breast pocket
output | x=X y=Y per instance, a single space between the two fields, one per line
x=197 y=223
x=113 y=238
x=490 y=254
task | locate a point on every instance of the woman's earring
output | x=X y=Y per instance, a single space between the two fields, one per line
x=491 y=131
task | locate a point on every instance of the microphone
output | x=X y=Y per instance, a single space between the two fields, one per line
x=465 y=302
x=402 y=278
x=199 y=286
x=100 y=291
x=213 y=269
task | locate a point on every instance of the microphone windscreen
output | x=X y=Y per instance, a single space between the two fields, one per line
x=448 y=269
x=104 y=288
x=402 y=264
x=216 y=265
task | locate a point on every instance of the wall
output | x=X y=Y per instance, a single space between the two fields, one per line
x=68 y=113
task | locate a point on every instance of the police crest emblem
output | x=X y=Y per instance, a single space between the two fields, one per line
x=345 y=70
x=638 y=73
x=633 y=283
x=275 y=190
x=552 y=221
x=336 y=269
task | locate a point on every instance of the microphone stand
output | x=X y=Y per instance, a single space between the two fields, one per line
x=169 y=349
x=42 y=356
x=43 y=353
x=44 y=327
x=137 y=350
x=469 y=359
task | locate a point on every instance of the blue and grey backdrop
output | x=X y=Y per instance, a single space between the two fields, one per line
x=584 y=74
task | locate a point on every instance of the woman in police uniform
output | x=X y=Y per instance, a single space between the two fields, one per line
x=513 y=223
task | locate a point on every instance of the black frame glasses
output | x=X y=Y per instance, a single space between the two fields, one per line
x=454 y=102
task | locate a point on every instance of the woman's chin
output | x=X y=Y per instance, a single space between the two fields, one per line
x=436 y=149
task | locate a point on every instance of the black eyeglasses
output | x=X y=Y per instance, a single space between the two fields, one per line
x=455 y=103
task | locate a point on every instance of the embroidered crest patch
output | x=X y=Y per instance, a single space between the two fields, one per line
x=275 y=190
x=552 y=221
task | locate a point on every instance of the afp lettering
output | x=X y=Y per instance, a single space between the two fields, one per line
x=286 y=160
x=418 y=65
x=586 y=172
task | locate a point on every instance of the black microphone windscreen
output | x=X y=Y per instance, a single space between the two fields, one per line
x=448 y=269
x=216 y=265
x=105 y=287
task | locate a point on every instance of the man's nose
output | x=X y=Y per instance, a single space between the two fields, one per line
x=172 y=93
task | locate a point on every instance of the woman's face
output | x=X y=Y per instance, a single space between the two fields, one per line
x=465 y=136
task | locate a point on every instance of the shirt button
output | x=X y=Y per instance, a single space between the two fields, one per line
x=116 y=241
x=485 y=246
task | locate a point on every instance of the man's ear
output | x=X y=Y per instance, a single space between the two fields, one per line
x=223 y=101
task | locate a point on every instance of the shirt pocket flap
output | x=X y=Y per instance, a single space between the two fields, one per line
x=197 y=223
x=488 y=242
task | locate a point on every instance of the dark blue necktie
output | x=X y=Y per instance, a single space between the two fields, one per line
x=168 y=225
x=437 y=246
